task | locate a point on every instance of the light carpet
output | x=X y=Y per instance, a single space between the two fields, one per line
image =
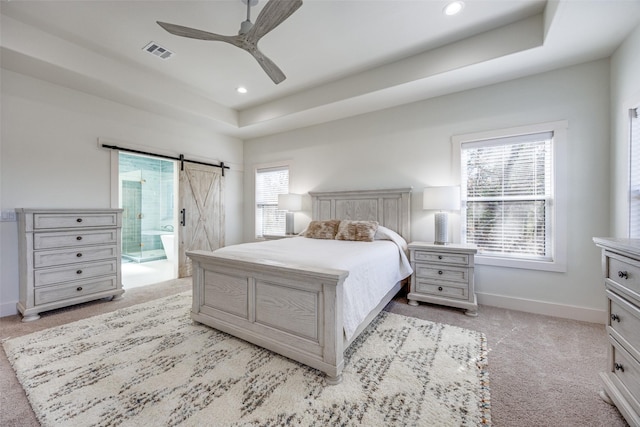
x=150 y=365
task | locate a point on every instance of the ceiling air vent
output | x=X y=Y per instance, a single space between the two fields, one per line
x=156 y=50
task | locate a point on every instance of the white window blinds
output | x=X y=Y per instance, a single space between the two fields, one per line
x=507 y=191
x=634 y=176
x=269 y=183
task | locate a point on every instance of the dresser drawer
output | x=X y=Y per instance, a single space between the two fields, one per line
x=442 y=290
x=49 y=276
x=51 y=294
x=626 y=369
x=441 y=257
x=624 y=323
x=70 y=238
x=73 y=255
x=72 y=220
x=452 y=274
x=624 y=273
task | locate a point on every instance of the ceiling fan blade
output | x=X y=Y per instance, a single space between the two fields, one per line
x=193 y=33
x=268 y=66
x=272 y=14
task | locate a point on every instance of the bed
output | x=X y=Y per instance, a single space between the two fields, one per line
x=296 y=306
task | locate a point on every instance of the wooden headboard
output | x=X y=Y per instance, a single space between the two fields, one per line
x=391 y=208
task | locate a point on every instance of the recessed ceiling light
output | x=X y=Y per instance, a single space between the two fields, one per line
x=453 y=8
x=241 y=89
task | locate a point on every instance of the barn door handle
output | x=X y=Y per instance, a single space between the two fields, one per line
x=183 y=221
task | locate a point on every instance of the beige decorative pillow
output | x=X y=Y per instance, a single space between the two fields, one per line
x=322 y=229
x=361 y=231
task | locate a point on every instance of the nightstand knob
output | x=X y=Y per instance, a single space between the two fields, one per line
x=79 y=255
x=439 y=256
x=79 y=272
x=79 y=238
x=79 y=288
x=615 y=317
x=79 y=220
x=623 y=274
x=440 y=288
x=440 y=272
x=619 y=367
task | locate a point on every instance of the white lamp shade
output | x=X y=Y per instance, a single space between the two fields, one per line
x=290 y=202
x=441 y=198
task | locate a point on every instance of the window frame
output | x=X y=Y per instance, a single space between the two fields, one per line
x=256 y=170
x=557 y=219
x=634 y=173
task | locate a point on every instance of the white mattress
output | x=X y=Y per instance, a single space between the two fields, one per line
x=374 y=267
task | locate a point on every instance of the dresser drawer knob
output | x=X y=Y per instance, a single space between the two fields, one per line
x=79 y=255
x=440 y=272
x=79 y=272
x=79 y=220
x=79 y=288
x=623 y=274
x=619 y=367
x=615 y=317
x=439 y=256
x=440 y=288
x=79 y=238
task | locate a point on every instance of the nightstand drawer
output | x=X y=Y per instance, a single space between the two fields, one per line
x=442 y=290
x=441 y=257
x=451 y=274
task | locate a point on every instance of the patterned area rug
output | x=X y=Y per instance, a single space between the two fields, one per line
x=149 y=365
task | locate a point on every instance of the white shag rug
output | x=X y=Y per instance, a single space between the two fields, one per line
x=150 y=365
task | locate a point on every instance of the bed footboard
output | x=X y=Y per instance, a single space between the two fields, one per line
x=292 y=310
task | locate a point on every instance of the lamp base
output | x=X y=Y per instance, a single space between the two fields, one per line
x=441 y=228
x=289 y=223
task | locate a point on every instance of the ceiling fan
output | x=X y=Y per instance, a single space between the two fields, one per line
x=271 y=15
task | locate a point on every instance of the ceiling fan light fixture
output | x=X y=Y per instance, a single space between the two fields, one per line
x=453 y=8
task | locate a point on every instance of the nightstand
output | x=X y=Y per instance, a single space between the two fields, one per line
x=443 y=274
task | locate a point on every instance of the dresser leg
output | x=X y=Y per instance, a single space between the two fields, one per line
x=30 y=317
x=471 y=313
x=413 y=302
x=604 y=396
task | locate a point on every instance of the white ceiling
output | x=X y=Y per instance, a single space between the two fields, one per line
x=341 y=58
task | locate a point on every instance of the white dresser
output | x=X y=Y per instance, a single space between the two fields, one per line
x=67 y=257
x=443 y=274
x=621 y=269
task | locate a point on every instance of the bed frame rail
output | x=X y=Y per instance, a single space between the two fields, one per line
x=292 y=310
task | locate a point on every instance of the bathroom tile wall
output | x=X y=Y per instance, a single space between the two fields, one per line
x=155 y=199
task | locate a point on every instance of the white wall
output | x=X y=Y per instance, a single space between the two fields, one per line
x=50 y=157
x=410 y=146
x=625 y=94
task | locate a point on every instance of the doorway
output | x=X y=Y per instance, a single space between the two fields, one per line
x=147 y=196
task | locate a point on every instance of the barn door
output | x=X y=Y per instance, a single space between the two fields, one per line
x=201 y=212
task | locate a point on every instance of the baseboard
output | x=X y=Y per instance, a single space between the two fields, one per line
x=8 y=309
x=546 y=308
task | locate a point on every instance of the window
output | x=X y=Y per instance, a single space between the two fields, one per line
x=270 y=182
x=509 y=199
x=634 y=176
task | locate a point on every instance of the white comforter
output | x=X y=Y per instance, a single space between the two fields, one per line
x=374 y=267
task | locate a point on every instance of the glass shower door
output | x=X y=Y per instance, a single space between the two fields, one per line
x=132 y=220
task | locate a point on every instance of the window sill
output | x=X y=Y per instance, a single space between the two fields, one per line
x=554 y=266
